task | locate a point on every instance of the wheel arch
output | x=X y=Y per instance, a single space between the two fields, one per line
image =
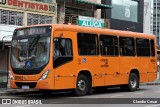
x=136 y=71
x=87 y=73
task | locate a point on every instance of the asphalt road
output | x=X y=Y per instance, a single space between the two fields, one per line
x=146 y=96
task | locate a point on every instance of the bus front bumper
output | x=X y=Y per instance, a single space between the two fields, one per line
x=47 y=84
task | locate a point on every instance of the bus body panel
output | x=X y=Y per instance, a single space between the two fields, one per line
x=105 y=70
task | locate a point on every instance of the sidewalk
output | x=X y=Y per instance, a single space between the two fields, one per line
x=7 y=91
x=156 y=82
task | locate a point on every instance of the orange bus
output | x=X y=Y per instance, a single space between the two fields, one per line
x=57 y=57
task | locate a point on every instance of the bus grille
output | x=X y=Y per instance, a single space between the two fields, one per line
x=30 y=84
x=26 y=71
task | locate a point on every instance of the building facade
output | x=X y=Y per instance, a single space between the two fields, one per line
x=125 y=14
x=17 y=13
x=148 y=17
x=69 y=10
x=156 y=20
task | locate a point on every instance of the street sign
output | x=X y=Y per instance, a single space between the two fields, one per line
x=90 y=22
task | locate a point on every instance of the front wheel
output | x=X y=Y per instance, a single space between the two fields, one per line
x=81 y=85
x=133 y=82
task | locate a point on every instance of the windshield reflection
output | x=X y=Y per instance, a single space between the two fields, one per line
x=31 y=52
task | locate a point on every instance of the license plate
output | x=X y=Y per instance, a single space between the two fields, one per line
x=25 y=87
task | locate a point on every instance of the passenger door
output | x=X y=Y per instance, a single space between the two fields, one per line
x=127 y=59
x=109 y=62
x=63 y=61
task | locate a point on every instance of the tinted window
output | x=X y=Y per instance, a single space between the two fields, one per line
x=87 y=44
x=152 y=48
x=62 y=47
x=62 y=51
x=109 y=45
x=143 y=47
x=127 y=46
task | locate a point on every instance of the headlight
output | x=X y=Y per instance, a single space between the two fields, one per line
x=10 y=75
x=44 y=76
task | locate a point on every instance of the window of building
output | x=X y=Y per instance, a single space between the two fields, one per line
x=39 y=19
x=152 y=48
x=87 y=44
x=11 y=17
x=109 y=45
x=143 y=47
x=127 y=46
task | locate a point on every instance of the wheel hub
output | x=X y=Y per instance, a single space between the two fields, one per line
x=81 y=85
x=133 y=83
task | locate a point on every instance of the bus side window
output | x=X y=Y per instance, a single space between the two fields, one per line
x=87 y=44
x=152 y=47
x=62 y=47
x=127 y=46
x=66 y=47
x=142 y=47
x=109 y=45
x=63 y=52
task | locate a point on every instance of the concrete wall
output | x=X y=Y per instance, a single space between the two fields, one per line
x=148 y=17
x=97 y=13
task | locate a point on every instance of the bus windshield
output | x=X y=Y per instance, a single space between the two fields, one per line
x=31 y=51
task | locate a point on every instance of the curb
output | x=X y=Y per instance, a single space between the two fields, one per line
x=158 y=83
x=4 y=94
x=13 y=91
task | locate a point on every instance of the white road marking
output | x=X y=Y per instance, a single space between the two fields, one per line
x=27 y=105
x=139 y=93
x=17 y=106
x=157 y=91
x=85 y=99
x=117 y=96
x=153 y=105
x=57 y=102
x=23 y=106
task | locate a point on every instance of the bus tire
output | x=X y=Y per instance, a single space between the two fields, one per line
x=82 y=84
x=133 y=82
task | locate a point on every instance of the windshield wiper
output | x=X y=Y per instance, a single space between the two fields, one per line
x=34 y=42
x=31 y=46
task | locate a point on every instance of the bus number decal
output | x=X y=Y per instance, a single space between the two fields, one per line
x=18 y=78
x=105 y=62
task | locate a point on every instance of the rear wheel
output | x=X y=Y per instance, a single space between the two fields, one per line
x=133 y=82
x=81 y=85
